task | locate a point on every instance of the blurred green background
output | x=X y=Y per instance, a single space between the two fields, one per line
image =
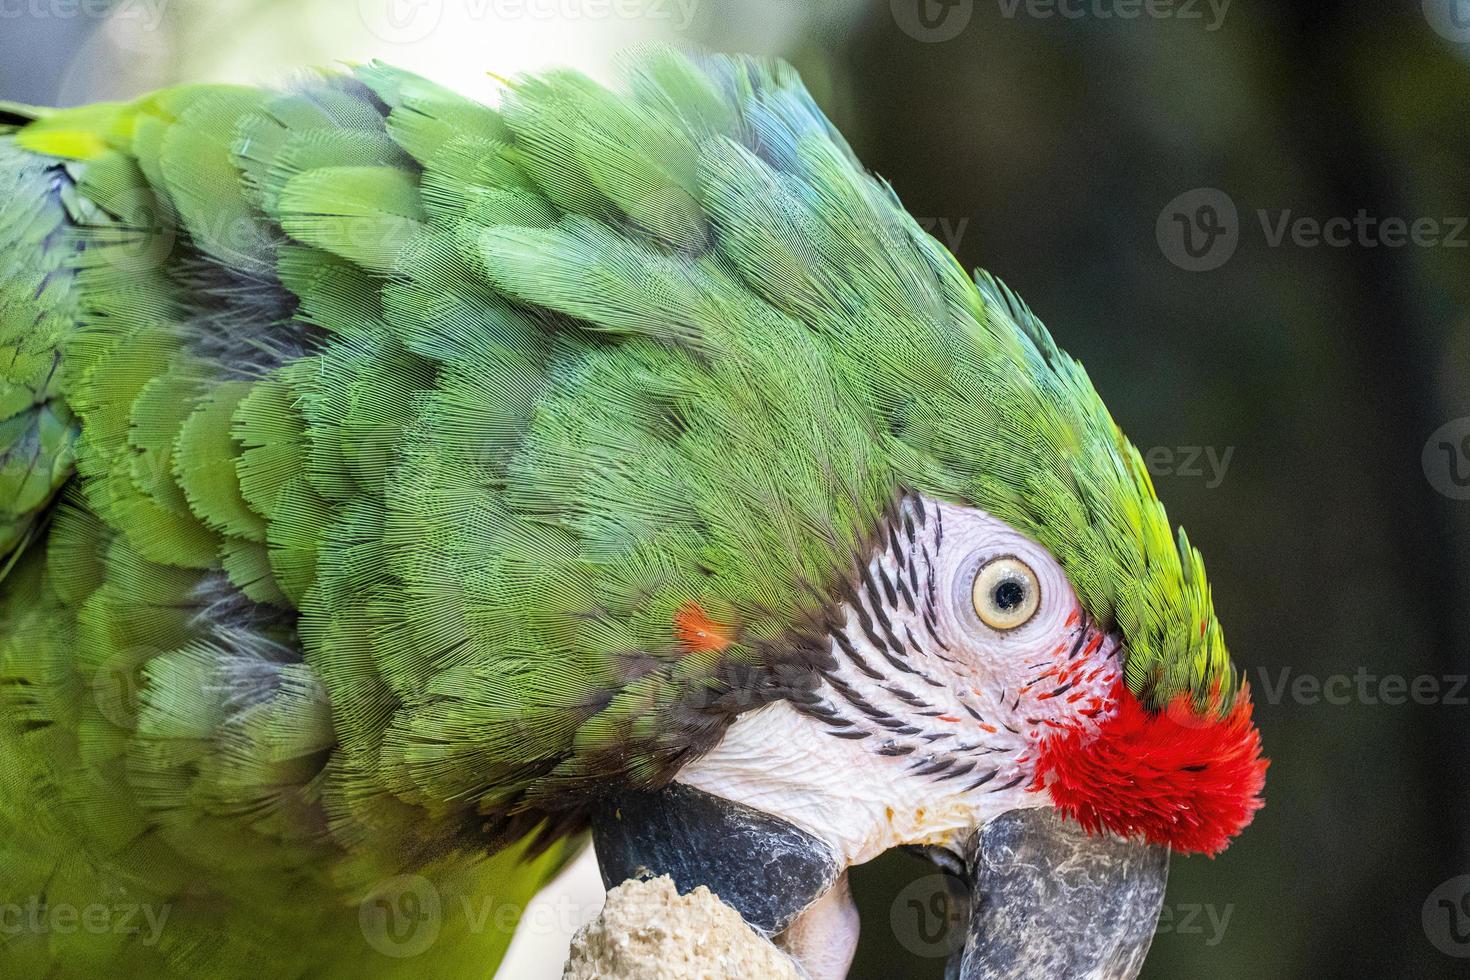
x=1302 y=397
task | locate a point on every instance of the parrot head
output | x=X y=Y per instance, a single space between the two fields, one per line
x=1067 y=703
x=904 y=580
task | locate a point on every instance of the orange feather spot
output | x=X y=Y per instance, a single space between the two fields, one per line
x=697 y=632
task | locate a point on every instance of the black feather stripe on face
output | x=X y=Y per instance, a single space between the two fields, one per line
x=871 y=635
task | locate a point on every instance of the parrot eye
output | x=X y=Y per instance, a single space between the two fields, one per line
x=1006 y=593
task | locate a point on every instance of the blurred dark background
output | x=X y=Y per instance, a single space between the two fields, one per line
x=1302 y=397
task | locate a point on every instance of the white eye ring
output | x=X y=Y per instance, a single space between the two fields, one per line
x=1006 y=593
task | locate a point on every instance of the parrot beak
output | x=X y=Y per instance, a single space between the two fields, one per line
x=763 y=867
x=1048 y=901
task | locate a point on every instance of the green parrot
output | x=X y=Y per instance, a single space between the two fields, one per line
x=397 y=492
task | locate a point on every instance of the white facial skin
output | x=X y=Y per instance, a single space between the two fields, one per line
x=945 y=736
x=928 y=724
x=1015 y=676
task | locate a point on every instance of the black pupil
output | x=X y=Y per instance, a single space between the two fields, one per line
x=1009 y=594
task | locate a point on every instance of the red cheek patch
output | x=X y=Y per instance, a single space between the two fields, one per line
x=1172 y=777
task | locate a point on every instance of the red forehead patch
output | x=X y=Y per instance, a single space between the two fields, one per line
x=1171 y=777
